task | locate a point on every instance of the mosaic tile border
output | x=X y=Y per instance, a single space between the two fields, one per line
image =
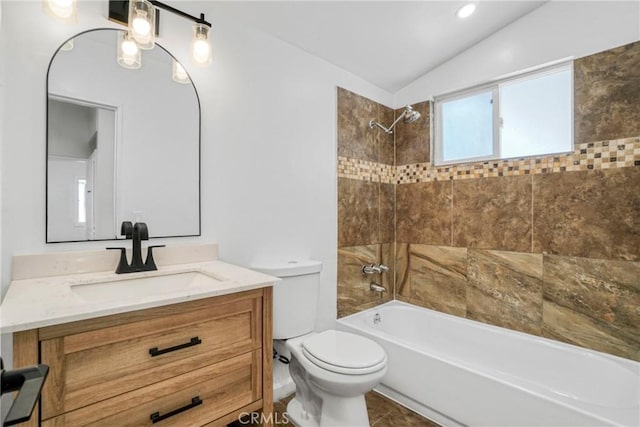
x=617 y=153
x=366 y=171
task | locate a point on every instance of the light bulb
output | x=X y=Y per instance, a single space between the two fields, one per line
x=200 y=44
x=201 y=51
x=129 y=47
x=179 y=73
x=140 y=25
x=129 y=54
x=65 y=4
x=466 y=10
x=65 y=10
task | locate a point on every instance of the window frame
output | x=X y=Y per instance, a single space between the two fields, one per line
x=494 y=87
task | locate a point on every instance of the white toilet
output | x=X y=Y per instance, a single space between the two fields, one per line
x=332 y=370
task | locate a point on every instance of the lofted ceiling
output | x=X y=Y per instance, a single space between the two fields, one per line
x=388 y=43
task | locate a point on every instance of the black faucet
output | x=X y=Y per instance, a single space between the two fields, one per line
x=137 y=233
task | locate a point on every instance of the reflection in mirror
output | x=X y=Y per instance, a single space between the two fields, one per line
x=81 y=143
x=122 y=144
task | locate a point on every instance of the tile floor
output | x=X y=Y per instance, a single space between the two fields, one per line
x=387 y=413
x=382 y=413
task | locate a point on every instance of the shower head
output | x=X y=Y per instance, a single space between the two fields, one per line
x=409 y=115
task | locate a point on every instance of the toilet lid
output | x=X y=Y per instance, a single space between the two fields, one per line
x=343 y=352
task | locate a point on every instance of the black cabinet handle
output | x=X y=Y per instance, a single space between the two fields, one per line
x=156 y=417
x=155 y=352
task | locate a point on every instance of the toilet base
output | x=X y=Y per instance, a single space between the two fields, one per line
x=336 y=412
x=283 y=384
x=298 y=416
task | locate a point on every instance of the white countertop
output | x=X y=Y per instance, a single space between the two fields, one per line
x=46 y=301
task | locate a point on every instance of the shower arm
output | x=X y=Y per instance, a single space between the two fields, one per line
x=388 y=130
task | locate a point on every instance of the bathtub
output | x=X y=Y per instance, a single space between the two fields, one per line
x=459 y=372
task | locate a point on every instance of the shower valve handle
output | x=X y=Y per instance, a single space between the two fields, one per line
x=374 y=268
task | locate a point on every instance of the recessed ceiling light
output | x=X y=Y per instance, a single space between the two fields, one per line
x=466 y=10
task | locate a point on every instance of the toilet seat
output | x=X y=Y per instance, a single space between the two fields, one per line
x=344 y=353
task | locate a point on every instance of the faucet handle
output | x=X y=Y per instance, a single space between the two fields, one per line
x=123 y=264
x=150 y=263
x=126 y=229
x=370 y=269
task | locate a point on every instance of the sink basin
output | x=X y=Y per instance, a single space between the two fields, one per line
x=144 y=287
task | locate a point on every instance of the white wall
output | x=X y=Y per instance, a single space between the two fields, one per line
x=3 y=408
x=273 y=152
x=103 y=189
x=556 y=30
x=268 y=140
x=71 y=129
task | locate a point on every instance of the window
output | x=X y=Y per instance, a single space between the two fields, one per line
x=526 y=115
x=81 y=186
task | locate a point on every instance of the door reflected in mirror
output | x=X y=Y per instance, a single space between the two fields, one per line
x=122 y=144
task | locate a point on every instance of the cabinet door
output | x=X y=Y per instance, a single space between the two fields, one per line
x=92 y=366
x=195 y=398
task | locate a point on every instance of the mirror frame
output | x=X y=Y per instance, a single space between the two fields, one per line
x=46 y=192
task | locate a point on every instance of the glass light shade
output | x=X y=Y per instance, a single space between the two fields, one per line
x=63 y=10
x=466 y=10
x=201 y=45
x=68 y=45
x=142 y=23
x=129 y=54
x=179 y=74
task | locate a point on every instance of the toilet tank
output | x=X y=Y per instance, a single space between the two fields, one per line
x=295 y=297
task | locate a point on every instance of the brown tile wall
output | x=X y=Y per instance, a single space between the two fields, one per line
x=433 y=276
x=366 y=202
x=355 y=139
x=588 y=302
x=353 y=286
x=588 y=214
x=423 y=213
x=492 y=213
x=550 y=248
x=596 y=155
x=606 y=92
x=546 y=246
x=413 y=140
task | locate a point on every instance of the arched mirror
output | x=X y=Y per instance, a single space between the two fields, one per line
x=123 y=144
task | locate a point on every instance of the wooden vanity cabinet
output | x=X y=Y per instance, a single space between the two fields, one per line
x=201 y=362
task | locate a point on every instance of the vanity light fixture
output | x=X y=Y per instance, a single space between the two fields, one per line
x=179 y=74
x=142 y=23
x=129 y=54
x=466 y=10
x=143 y=19
x=64 y=10
x=200 y=45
